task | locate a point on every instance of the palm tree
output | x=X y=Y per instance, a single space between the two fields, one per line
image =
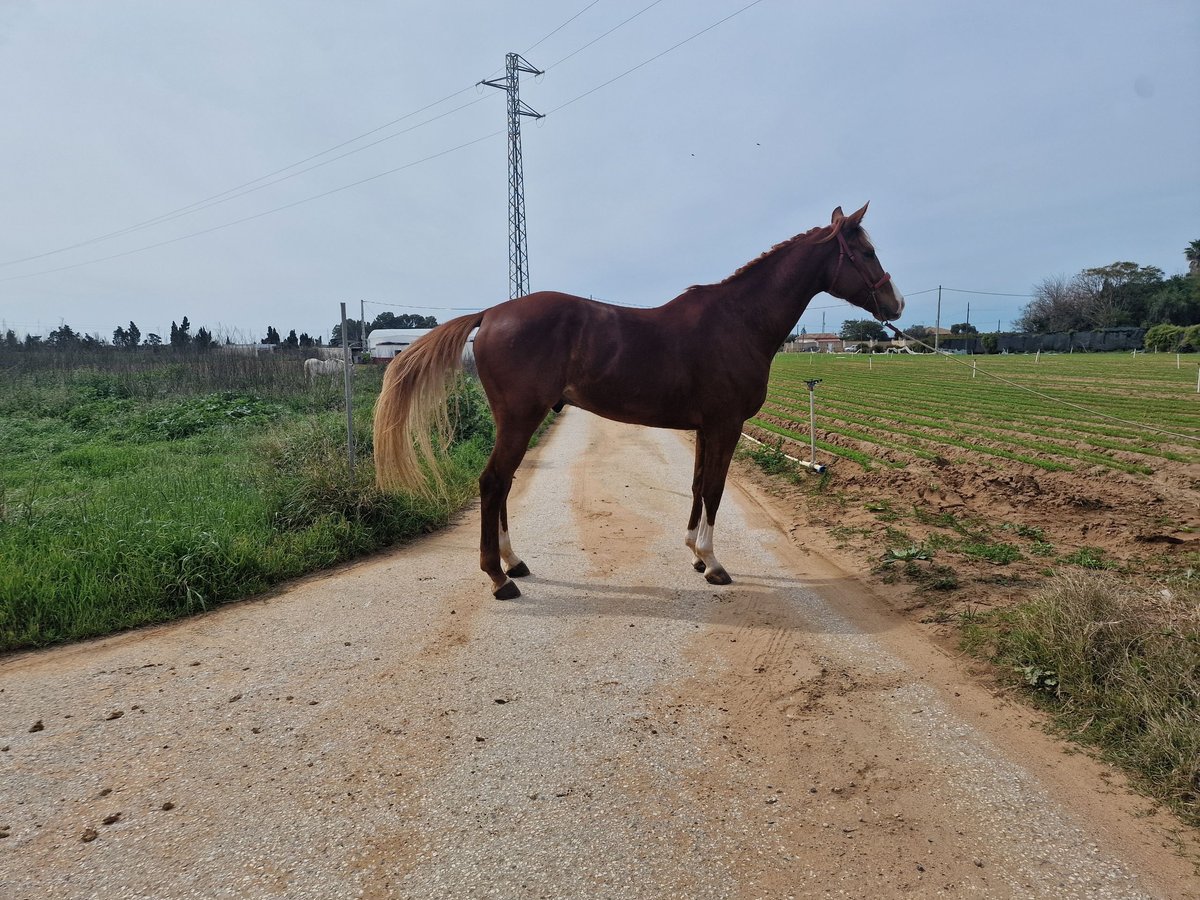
x=1192 y=255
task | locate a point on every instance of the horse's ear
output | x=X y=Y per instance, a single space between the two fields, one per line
x=855 y=219
x=837 y=216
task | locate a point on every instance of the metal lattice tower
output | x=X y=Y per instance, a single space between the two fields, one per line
x=518 y=256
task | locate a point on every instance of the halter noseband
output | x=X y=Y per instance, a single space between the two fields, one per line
x=846 y=253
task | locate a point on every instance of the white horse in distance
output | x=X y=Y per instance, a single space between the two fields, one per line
x=315 y=368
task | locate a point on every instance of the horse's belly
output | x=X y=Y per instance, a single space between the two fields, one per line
x=636 y=407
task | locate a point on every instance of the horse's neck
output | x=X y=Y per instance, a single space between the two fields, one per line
x=767 y=297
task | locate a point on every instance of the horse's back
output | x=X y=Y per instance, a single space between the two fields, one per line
x=620 y=362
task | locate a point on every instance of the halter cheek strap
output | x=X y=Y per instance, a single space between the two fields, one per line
x=844 y=253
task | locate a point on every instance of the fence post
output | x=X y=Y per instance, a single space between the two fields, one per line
x=346 y=369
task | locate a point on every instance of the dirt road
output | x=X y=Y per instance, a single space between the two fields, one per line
x=622 y=730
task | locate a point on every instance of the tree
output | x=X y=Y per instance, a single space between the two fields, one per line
x=305 y=340
x=63 y=337
x=964 y=328
x=133 y=333
x=862 y=330
x=153 y=339
x=1177 y=302
x=120 y=337
x=922 y=333
x=407 y=320
x=353 y=333
x=1057 y=305
x=291 y=341
x=1117 y=294
x=1192 y=255
x=272 y=335
x=203 y=339
x=181 y=334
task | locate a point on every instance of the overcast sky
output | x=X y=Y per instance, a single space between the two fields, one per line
x=998 y=144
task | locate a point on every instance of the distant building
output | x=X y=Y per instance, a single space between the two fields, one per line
x=384 y=344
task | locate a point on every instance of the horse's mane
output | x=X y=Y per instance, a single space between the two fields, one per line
x=813 y=235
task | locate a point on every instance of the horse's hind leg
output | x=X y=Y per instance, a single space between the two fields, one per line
x=693 y=526
x=512 y=440
x=513 y=566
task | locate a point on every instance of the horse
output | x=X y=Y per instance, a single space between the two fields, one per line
x=315 y=368
x=698 y=363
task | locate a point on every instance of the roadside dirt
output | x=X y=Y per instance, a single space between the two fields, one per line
x=1141 y=526
x=621 y=730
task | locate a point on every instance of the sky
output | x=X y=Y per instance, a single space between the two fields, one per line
x=999 y=144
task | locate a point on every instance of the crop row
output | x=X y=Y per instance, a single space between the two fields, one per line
x=918 y=398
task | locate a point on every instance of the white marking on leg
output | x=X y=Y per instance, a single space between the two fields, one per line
x=689 y=541
x=704 y=546
x=511 y=559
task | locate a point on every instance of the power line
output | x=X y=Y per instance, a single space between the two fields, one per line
x=248 y=187
x=254 y=184
x=562 y=26
x=603 y=36
x=259 y=215
x=361 y=181
x=988 y=293
x=656 y=56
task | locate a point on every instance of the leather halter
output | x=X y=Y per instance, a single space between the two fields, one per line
x=846 y=253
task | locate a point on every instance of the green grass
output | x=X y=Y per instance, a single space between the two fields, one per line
x=132 y=495
x=1119 y=667
x=900 y=408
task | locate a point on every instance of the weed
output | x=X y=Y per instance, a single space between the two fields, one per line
x=1000 y=554
x=1026 y=531
x=772 y=460
x=913 y=552
x=1089 y=558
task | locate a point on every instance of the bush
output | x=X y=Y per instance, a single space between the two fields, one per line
x=1173 y=338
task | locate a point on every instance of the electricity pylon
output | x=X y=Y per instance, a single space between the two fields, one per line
x=518 y=256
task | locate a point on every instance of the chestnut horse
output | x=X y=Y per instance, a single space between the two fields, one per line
x=699 y=363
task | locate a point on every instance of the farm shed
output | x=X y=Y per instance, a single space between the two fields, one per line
x=385 y=343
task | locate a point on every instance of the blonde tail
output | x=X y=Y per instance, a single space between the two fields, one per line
x=412 y=408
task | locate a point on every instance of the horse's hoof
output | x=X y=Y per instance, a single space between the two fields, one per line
x=520 y=570
x=718 y=576
x=508 y=591
x=698 y=565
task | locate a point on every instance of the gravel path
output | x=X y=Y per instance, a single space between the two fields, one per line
x=622 y=730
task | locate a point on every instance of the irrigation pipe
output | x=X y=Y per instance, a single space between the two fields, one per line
x=1091 y=412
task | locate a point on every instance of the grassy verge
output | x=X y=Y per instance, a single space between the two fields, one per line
x=134 y=497
x=1120 y=669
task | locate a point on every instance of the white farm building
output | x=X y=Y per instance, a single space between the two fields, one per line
x=386 y=343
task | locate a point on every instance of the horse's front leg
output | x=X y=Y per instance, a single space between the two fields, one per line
x=719 y=445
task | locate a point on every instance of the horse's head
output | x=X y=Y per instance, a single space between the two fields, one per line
x=858 y=276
